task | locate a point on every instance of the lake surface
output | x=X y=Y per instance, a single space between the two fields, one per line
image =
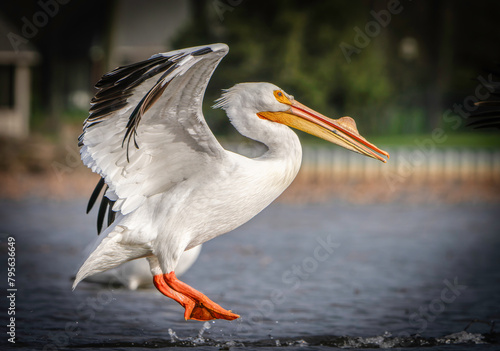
x=309 y=277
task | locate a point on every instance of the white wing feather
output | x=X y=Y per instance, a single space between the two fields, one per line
x=146 y=131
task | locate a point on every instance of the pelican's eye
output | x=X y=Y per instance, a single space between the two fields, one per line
x=281 y=97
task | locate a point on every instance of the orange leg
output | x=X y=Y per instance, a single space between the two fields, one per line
x=197 y=306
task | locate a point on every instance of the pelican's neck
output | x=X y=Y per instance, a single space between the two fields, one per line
x=281 y=141
x=268 y=175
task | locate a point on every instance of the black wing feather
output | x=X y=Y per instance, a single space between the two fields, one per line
x=102 y=213
x=95 y=194
x=111 y=213
x=105 y=206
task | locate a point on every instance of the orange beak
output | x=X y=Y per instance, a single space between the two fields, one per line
x=340 y=131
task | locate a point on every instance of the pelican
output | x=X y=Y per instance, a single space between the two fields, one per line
x=170 y=184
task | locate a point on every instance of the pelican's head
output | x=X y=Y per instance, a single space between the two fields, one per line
x=271 y=103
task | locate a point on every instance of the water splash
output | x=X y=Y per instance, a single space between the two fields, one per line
x=173 y=336
x=199 y=339
x=384 y=341
x=462 y=337
x=300 y=343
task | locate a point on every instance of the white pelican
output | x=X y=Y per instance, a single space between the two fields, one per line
x=171 y=185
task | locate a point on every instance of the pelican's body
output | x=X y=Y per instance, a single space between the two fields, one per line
x=171 y=185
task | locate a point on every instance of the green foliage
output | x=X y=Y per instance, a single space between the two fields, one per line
x=481 y=140
x=296 y=45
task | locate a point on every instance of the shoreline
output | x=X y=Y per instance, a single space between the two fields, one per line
x=80 y=182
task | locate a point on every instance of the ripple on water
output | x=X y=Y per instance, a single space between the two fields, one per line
x=387 y=276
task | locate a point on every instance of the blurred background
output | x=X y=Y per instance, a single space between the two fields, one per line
x=408 y=72
x=406 y=233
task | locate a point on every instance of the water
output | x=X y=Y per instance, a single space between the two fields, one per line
x=302 y=277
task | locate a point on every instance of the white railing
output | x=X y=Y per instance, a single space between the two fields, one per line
x=332 y=162
x=447 y=164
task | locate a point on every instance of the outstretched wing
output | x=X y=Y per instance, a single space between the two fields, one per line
x=146 y=131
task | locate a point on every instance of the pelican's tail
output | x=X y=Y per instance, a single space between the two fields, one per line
x=110 y=253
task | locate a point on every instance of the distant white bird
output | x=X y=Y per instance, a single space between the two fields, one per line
x=136 y=274
x=171 y=185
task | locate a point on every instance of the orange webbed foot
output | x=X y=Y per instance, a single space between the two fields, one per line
x=198 y=306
